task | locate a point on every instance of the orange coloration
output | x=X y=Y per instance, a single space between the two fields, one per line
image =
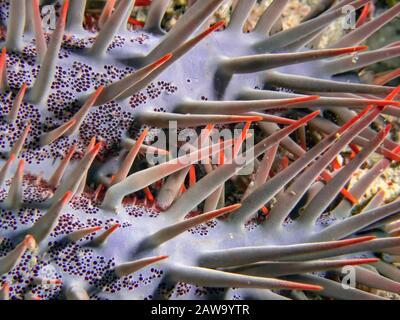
x=30 y=241
x=97 y=192
x=348 y=242
x=304 y=99
x=3 y=58
x=142 y=3
x=66 y=198
x=107 y=11
x=135 y=22
x=298 y=286
x=26 y=131
x=97 y=147
x=71 y=152
x=21 y=166
x=162 y=60
x=350 y=49
x=387 y=129
x=216 y=26
x=11 y=158
x=394 y=93
x=364 y=15
x=159 y=184
x=264 y=210
x=355 y=148
x=234 y=119
x=243 y=137
x=149 y=195
x=221 y=155
x=284 y=163
x=222 y=211
x=96 y=94
x=113 y=228
x=354 y=262
x=64 y=11
x=353 y=120
x=5 y=287
x=336 y=165
x=245 y=129
x=327 y=177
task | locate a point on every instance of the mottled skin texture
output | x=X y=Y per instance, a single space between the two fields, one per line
x=192 y=77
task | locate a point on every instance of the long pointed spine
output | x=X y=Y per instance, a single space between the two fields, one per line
x=131 y=84
x=76 y=292
x=8 y=262
x=238 y=107
x=171 y=187
x=130 y=158
x=174 y=230
x=76 y=14
x=82 y=233
x=106 y=12
x=320 y=85
x=375 y=280
x=14 y=197
x=311 y=213
x=72 y=182
x=219 y=279
x=110 y=29
x=278 y=269
x=12 y=116
x=262 y=62
x=176 y=54
x=40 y=90
x=5 y=292
x=203 y=188
x=186 y=25
x=102 y=238
x=240 y=15
x=289 y=36
x=262 y=172
x=55 y=179
x=141 y=179
x=295 y=191
x=49 y=137
x=248 y=255
x=270 y=17
x=155 y=15
x=16 y=25
x=163 y=119
x=342 y=65
x=128 y=268
x=3 y=70
x=333 y=289
x=265 y=193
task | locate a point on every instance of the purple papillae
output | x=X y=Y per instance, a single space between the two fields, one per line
x=84 y=213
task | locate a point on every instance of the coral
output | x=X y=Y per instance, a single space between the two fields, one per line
x=86 y=214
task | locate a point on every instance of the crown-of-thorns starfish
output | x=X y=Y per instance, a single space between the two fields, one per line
x=79 y=110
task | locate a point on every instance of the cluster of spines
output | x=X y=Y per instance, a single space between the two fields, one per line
x=170 y=49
